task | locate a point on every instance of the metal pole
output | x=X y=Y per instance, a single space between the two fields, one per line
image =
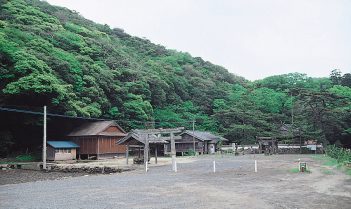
x=44 y=140
x=194 y=136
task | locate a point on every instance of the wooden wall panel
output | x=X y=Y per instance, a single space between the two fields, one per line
x=99 y=145
x=87 y=145
x=108 y=145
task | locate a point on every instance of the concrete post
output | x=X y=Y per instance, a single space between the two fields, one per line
x=146 y=153
x=173 y=153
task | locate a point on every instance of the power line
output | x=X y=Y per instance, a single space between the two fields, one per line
x=84 y=118
x=49 y=114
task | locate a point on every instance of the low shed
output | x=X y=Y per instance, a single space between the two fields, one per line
x=61 y=150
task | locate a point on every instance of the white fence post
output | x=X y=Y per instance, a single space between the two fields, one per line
x=214 y=166
x=175 y=166
x=255 y=166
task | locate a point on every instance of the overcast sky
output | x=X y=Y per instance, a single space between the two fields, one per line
x=251 y=38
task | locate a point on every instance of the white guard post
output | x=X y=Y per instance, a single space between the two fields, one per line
x=214 y=166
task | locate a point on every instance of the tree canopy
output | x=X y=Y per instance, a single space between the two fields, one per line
x=52 y=56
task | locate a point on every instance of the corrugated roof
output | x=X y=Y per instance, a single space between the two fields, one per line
x=62 y=144
x=96 y=128
x=205 y=136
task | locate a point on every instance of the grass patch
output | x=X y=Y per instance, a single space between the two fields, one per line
x=348 y=171
x=330 y=161
x=20 y=158
x=327 y=172
x=326 y=160
x=25 y=158
x=319 y=157
x=296 y=170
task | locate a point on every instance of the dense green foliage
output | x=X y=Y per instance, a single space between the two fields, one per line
x=340 y=154
x=53 y=56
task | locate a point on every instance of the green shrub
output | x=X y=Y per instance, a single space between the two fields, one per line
x=25 y=158
x=189 y=152
x=341 y=155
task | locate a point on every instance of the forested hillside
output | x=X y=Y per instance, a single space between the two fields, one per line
x=53 y=56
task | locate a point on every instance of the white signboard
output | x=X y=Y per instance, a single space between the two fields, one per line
x=312 y=147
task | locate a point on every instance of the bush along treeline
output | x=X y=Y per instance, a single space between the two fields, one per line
x=52 y=56
x=342 y=155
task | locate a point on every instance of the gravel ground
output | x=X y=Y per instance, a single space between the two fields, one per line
x=16 y=176
x=234 y=185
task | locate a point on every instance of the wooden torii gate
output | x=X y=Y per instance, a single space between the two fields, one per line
x=159 y=132
x=145 y=135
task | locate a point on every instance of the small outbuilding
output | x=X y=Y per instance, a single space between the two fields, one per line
x=267 y=145
x=135 y=142
x=204 y=142
x=61 y=150
x=98 y=139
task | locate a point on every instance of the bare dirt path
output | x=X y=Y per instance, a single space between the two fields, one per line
x=234 y=185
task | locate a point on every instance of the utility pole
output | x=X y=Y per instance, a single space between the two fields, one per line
x=194 y=137
x=292 y=110
x=146 y=151
x=173 y=153
x=292 y=118
x=44 y=140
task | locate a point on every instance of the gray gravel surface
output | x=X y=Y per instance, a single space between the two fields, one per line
x=15 y=176
x=234 y=185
